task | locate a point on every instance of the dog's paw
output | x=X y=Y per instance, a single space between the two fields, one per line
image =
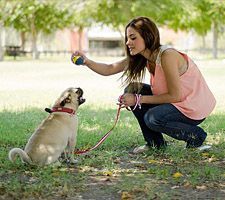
x=73 y=161
x=69 y=161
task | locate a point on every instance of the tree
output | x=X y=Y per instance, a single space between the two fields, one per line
x=1 y=48
x=208 y=15
x=200 y=16
x=34 y=16
x=3 y=15
x=119 y=12
x=46 y=16
x=80 y=14
x=217 y=15
x=113 y=13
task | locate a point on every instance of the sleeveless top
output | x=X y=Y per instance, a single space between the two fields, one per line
x=197 y=101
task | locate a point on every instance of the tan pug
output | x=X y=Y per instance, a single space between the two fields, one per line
x=56 y=134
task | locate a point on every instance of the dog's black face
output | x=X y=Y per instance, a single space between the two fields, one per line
x=80 y=96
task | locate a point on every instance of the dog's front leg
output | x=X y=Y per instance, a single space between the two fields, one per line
x=71 y=146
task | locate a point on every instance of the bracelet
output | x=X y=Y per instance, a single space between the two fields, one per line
x=137 y=101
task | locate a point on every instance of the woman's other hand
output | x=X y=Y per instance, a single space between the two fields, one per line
x=128 y=99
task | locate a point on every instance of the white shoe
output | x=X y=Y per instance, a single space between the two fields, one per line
x=141 y=149
x=204 y=147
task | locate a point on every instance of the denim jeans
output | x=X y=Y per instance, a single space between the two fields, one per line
x=166 y=118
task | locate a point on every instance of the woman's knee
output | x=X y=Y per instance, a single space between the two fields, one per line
x=152 y=120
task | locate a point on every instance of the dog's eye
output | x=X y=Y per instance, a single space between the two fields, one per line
x=79 y=91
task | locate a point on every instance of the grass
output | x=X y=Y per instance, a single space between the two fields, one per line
x=111 y=160
x=109 y=172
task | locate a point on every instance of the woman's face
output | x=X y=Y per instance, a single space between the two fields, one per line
x=135 y=42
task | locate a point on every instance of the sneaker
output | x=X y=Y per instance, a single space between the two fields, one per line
x=204 y=147
x=141 y=149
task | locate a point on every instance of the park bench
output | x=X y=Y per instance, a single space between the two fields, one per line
x=14 y=51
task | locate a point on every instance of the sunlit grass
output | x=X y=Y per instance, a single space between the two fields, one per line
x=27 y=84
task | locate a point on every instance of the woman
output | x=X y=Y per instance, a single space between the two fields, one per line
x=177 y=100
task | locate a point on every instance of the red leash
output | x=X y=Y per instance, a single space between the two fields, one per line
x=137 y=100
x=79 y=152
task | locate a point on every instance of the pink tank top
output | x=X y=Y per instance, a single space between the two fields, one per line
x=197 y=101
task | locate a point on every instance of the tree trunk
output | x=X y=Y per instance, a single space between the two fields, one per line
x=203 y=47
x=34 y=48
x=203 y=42
x=80 y=32
x=23 y=40
x=215 y=39
x=35 y=54
x=1 y=48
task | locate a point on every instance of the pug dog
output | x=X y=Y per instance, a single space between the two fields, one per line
x=56 y=134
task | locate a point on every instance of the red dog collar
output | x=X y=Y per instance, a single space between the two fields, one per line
x=60 y=109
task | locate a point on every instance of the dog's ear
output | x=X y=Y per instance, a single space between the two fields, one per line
x=66 y=100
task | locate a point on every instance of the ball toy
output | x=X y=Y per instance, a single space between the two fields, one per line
x=78 y=60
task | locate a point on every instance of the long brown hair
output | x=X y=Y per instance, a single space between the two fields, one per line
x=137 y=64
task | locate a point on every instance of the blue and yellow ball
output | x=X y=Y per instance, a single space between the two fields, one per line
x=78 y=60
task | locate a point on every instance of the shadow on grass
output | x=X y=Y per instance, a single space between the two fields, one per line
x=94 y=122
x=111 y=164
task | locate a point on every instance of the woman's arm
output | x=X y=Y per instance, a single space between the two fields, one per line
x=106 y=69
x=171 y=62
x=103 y=68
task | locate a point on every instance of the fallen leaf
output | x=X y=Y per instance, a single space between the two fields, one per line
x=126 y=195
x=175 y=187
x=205 y=154
x=212 y=159
x=201 y=187
x=187 y=184
x=177 y=175
x=152 y=161
x=108 y=173
x=117 y=161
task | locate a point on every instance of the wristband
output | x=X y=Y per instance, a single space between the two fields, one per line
x=139 y=101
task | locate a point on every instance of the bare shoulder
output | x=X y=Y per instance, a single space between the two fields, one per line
x=170 y=53
x=171 y=56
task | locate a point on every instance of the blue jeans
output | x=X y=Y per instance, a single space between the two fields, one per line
x=166 y=118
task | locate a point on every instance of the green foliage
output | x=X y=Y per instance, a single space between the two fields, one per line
x=49 y=15
x=115 y=13
x=33 y=15
x=205 y=13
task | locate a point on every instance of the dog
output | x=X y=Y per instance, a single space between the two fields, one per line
x=56 y=134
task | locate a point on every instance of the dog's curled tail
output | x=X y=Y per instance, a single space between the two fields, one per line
x=23 y=155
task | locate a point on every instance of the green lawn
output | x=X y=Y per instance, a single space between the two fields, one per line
x=110 y=172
